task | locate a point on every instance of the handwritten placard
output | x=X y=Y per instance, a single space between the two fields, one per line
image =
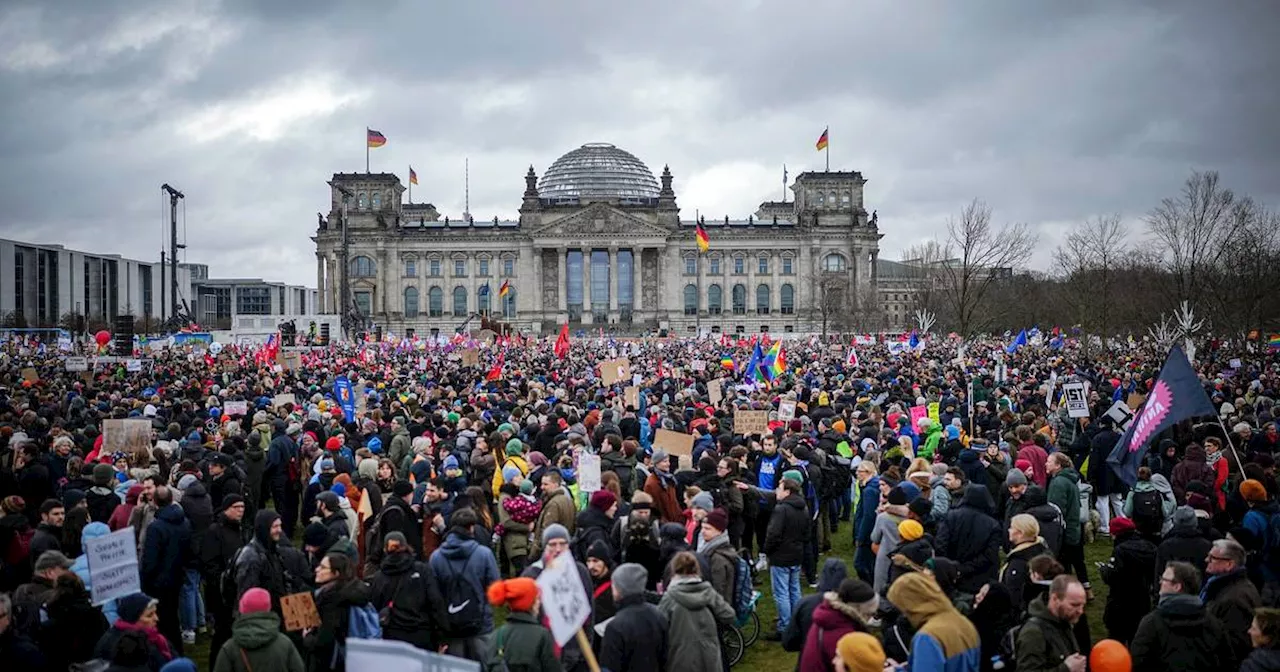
x=280 y=400
x=615 y=370
x=786 y=410
x=129 y=436
x=299 y=612
x=751 y=422
x=564 y=600
x=113 y=565
x=588 y=472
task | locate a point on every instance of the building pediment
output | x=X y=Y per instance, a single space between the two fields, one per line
x=600 y=220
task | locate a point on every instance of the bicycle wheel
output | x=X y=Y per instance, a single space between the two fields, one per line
x=731 y=639
x=751 y=629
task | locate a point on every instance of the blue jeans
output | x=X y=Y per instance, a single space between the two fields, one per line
x=786 y=592
x=190 y=603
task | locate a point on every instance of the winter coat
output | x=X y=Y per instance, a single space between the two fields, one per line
x=885 y=535
x=1181 y=635
x=258 y=644
x=1185 y=543
x=1064 y=492
x=557 y=508
x=199 y=509
x=1105 y=482
x=975 y=471
x=515 y=534
x=787 y=532
x=1193 y=467
x=1016 y=571
x=592 y=526
x=694 y=609
x=167 y=550
x=20 y=653
x=72 y=630
x=522 y=644
x=102 y=502
x=1262 y=660
x=400 y=446
x=1044 y=641
x=1167 y=503
x=255 y=469
x=971 y=536
x=663 y=491
x=941 y=498
x=416 y=612
x=1037 y=457
x=461 y=558
x=636 y=639
x=944 y=641
x=832 y=619
x=1231 y=598
x=865 y=516
x=46 y=538
x=334 y=602
x=723 y=561
x=81 y=567
x=217 y=550
x=1128 y=575
x=229 y=483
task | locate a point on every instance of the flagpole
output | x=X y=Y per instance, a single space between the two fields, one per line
x=827 y=152
x=366 y=151
x=697 y=305
x=410 y=182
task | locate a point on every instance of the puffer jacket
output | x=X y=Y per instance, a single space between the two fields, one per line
x=971 y=536
x=257 y=644
x=405 y=589
x=693 y=608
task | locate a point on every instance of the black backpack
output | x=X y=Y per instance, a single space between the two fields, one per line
x=1148 y=511
x=464 y=606
x=836 y=477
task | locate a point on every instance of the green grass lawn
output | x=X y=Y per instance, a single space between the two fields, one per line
x=766 y=656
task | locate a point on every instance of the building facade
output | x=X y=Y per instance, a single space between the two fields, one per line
x=47 y=286
x=599 y=242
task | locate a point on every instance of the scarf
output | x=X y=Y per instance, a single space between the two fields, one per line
x=157 y=640
x=1212 y=460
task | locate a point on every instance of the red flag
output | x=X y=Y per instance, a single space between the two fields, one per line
x=496 y=372
x=562 y=342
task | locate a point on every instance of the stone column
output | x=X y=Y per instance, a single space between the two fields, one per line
x=586 y=282
x=534 y=257
x=615 y=279
x=320 y=277
x=562 y=270
x=637 y=280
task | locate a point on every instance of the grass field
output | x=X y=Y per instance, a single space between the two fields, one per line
x=766 y=656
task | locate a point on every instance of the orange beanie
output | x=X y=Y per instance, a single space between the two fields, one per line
x=518 y=594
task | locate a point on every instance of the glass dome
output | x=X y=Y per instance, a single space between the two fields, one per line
x=598 y=170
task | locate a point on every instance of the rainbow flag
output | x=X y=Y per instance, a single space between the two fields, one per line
x=1273 y=342
x=726 y=362
x=775 y=361
x=376 y=139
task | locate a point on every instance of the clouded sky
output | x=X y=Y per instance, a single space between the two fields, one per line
x=1050 y=111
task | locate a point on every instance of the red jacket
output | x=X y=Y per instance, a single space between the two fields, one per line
x=1037 y=457
x=832 y=619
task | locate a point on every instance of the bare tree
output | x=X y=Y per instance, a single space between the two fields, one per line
x=1242 y=285
x=979 y=257
x=831 y=299
x=1194 y=230
x=921 y=263
x=1089 y=261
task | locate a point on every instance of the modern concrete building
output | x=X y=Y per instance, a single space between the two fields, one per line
x=599 y=242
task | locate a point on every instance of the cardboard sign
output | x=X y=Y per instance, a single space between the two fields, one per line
x=299 y=612
x=290 y=361
x=631 y=397
x=470 y=357
x=918 y=413
x=235 y=408
x=1234 y=363
x=129 y=436
x=77 y=363
x=564 y=600
x=615 y=370
x=786 y=410
x=698 y=365
x=751 y=422
x=589 y=472
x=113 y=565
x=1135 y=400
x=934 y=414
x=30 y=374
x=675 y=443
x=1075 y=399
x=715 y=392
x=280 y=400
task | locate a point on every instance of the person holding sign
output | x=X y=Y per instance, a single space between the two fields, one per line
x=521 y=643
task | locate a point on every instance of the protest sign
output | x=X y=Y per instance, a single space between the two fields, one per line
x=470 y=357
x=675 y=443
x=715 y=392
x=133 y=365
x=129 y=436
x=588 y=472
x=280 y=400
x=751 y=422
x=615 y=370
x=299 y=612
x=564 y=601
x=786 y=410
x=631 y=397
x=918 y=413
x=31 y=375
x=1077 y=403
x=934 y=415
x=76 y=364
x=386 y=655
x=698 y=365
x=113 y=565
x=235 y=408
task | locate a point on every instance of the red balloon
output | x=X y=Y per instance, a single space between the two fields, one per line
x=102 y=337
x=1109 y=655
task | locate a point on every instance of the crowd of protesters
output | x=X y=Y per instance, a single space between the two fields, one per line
x=440 y=502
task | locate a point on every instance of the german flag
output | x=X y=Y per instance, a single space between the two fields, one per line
x=704 y=243
x=413 y=176
x=376 y=139
x=822 y=140
x=504 y=289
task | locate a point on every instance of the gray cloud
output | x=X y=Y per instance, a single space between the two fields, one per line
x=1051 y=112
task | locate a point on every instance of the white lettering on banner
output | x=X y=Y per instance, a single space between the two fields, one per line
x=113 y=565
x=564 y=600
x=588 y=472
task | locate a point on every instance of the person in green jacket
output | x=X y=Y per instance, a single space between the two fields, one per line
x=933 y=439
x=256 y=641
x=521 y=644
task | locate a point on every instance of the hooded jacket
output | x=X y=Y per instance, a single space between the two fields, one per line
x=1193 y=467
x=1044 y=640
x=1181 y=635
x=257 y=644
x=971 y=536
x=334 y=602
x=405 y=590
x=462 y=558
x=81 y=566
x=944 y=641
x=694 y=608
x=1064 y=493
x=832 y=619
x=166 y=551
x=793 y=639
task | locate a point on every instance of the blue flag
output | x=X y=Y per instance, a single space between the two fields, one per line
x=346 y=397
x=484 y=289
x=1176 y=396
x=753 y=366
x=1018 y=342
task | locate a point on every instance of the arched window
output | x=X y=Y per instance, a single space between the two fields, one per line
x=482 y=298
x=788 y=303
x=377 y=200
x=715 y=299
x=690 y=300
x=509 y=303
x=363 y=267
x=739 y=300
x=362 y=201
x=821 y=198
x=763 y=299
x=833 y=263
x=831 y=199
x=410 y=301
x=435 y=302
x=459 y=301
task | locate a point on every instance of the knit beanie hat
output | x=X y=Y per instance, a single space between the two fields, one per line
x=131 y=607
x=703 y=501
x=1120 y=525
x=717 y=519
x=910 y=530
x=401 y=488
x=898 y=496
x=861 y=652
x=102 y=474
x=518 y=594
x=315 y=535
x=509 y=473
x=554 y=531
x=602 y=500
x=526 y=487
x=793 y=475
x=1253 y=491
x=630 y=579
x=1015 y=477
x=921 y=507
x=255 y=600
x=514 y=447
